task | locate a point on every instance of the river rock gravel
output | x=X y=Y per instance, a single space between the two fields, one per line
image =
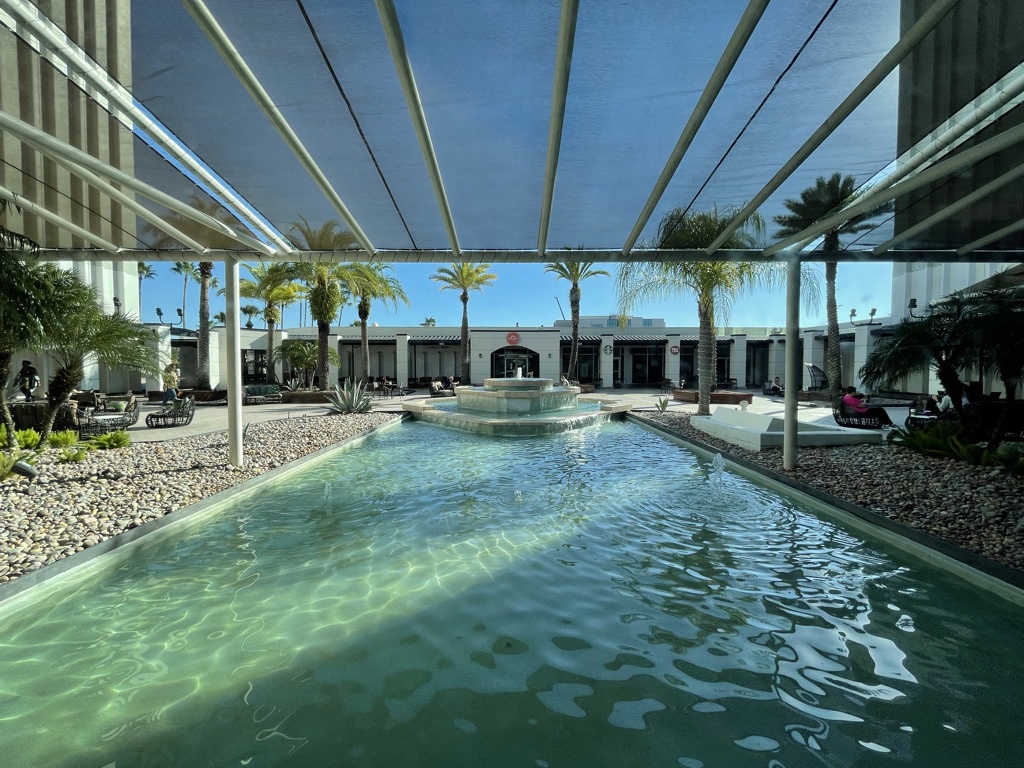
x=76 y=505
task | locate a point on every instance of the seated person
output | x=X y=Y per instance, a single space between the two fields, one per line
x=941 y=403
x=854 y=402
x=562 y=381
x=776 y=386
x=450 y=383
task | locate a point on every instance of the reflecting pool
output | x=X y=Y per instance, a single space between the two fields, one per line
x=428 y=597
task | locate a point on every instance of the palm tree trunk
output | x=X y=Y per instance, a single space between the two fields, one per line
x=1010 y=384
x=323 y=330
x=464 y=346
x=574 y=346
x=59 y=392
x=271 y=373
x=203 y=331
x=706 y=354
x=5 y=411
x=364 y=318
x=834 y=357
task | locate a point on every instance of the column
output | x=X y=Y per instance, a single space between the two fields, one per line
x=738 y=360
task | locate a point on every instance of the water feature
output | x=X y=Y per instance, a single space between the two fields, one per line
x=515 y=406
x=435 y=598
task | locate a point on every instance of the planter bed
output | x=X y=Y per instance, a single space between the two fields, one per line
x=721 y=397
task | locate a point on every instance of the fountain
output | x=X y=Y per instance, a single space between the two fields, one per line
x=516 y=406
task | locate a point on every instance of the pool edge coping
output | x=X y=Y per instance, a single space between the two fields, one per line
x=53 y=571
x=1002 y=580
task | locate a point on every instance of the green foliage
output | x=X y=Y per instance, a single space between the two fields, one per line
x=73 y=454
x=947 y=439
x=8 y=460
x=63 y=439
x=350 y=398
x=28 y=439
x=111 y=440
x=662 y=404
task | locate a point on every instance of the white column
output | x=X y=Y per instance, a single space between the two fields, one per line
x=231 y=297
x=738 y=360
x=607 y=359
x=814 y=353
x=401 y=360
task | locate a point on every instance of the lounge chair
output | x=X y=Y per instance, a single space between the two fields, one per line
x=846 y=418
x=437 y=390
x=177 y=414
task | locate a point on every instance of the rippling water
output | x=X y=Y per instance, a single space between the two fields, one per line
x=432 y=598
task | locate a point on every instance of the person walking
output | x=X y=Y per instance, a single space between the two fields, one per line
x=170 y=384
x=28 y=380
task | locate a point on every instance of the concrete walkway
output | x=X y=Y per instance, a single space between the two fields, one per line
x=214 y=418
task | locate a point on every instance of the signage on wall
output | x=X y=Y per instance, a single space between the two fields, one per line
x=512 y=338
x=607 y=349
x=675 y=350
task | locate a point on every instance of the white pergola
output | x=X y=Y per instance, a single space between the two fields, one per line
x=389 y=216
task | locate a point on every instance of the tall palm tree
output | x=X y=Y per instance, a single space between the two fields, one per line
x=815 y=203
x=273 y=285
x=574 y=272
x=429 y=322
x=367 y=283
x=714 y=283
x=203 y=274
x=464 y=278
x=146 y=272
x=325 y=282
x=188 y=271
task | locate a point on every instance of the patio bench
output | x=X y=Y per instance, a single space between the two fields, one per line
x=255 y=394
x=177 y=414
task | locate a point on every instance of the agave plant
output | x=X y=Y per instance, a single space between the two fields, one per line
x=350 y=397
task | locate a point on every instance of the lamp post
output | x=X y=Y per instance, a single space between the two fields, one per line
x=159 y=315
x=181 y=316
x=911 y=307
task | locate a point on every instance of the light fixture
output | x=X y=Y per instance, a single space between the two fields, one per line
x=481 y=355
x=549 y=354
x=117 y=306
x=181 y=315
x=25 y=469
x=911 y=307
x=159 y=314
x=871 y=317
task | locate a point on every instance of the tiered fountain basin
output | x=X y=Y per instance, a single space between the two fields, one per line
x=516 y=407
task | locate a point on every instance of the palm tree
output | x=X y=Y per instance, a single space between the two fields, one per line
x=188 y=271
x=274 y=287
x=464 y=278
x=944 y=339
x=85 y=331
x=203 y=274
x=815 y=203
x=146 y=272
x=428 y=322
x=368 y=282
x=714 y=283
x=574 y=272
x=250 y=311
x=31 y=307
x=998 y=317
x=221 y=317
x=325 y=282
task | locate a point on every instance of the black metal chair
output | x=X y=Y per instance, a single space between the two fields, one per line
x=818 y=378
x=177 y=414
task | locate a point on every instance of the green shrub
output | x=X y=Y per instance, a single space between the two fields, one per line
x=73 y=454
x=662 y=404
x=111 y=440
x=349 y=398
x=27 y=439
x=8 y=460
x=947 y=439
x=63 y=439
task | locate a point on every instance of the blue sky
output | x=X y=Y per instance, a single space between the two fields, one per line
x=525 y=294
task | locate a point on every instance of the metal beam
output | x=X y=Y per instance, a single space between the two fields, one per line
x=63 y=152
x=37 y=210
x=864 y=204
x=740 y=36
x=889 y=62
x=563 y=64
x=396 y=42
x=133 y=205
x=51 y=43
x=223 y=45
x=613 y=256
x=949 y=210
x=991 y=238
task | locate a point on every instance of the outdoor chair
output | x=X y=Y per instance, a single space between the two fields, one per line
x=846 y=418
x=177 y=414
x=818 y=378
x=437 y=390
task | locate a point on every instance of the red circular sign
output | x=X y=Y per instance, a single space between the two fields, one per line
x=675 y=350
x=512 y=338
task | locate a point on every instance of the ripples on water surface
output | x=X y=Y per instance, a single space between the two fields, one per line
x=431 y=598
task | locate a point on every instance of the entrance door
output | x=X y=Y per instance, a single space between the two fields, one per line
x=514 y=361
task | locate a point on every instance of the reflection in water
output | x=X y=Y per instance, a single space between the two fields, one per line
x=434 y=598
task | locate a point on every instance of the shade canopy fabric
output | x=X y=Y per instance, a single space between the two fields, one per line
x=488 y=130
